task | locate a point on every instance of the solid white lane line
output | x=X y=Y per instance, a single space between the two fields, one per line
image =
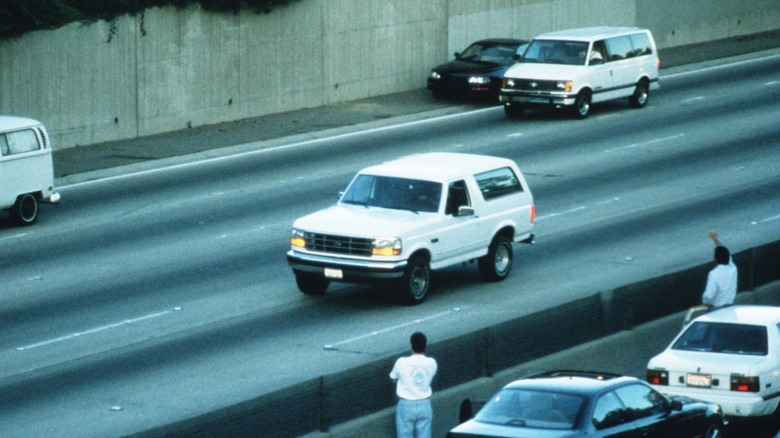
x=334 y=345
x=94 y=330
x=646 y=143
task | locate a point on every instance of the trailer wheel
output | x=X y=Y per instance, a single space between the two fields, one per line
x=25 y=210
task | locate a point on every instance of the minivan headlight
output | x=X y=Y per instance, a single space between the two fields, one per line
x=386 y=246
x=564 y=85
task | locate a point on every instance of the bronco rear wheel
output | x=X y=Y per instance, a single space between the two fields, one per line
x=496 y=265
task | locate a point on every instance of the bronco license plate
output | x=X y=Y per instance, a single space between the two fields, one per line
x=699 y=380
x=334 y=273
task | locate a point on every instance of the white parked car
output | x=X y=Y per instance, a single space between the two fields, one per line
x=400 y=220
x=730 y=356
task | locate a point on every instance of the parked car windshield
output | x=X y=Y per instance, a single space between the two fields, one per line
x=495 y=53
x=556 y=52
x=716 y=337
x=534 y=409
x=396 y=193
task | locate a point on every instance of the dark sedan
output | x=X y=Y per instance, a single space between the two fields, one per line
x=477 y=72
x=573 y=403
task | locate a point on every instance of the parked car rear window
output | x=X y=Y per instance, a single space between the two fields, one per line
x=716 y=337
x=536 y=409
x=499 y=182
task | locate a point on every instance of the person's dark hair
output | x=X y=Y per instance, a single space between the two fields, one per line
x=722 y=255
x=419 y=342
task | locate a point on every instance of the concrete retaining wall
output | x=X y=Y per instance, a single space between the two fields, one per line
x=330 y=402
x=169 y=69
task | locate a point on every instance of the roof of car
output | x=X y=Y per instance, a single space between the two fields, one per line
x=500 y=41
x=437 y=166
x=10 y=123
x=754 y=314
x=573 y=382
x=589 y=33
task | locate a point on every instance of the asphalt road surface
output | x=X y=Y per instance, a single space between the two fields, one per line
x=151 y=296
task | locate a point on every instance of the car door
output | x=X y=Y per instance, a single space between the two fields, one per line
x=458 y=234
x=651 y=413
x=599 y=71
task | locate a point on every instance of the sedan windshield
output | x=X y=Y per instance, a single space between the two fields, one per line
x=714 y=337
x=535 y=409
x=495 y=53
x=556 y=52
x=396 y=193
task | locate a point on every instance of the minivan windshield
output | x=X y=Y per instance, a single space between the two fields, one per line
x=396 y=193
x=556 y=52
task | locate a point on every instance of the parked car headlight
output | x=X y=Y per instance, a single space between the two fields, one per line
x=435 y=75
x=479 y=80
x=386 y=246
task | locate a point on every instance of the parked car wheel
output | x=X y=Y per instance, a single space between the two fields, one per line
x=416 y=280
x=496 y=265
x=25 y=210
x=640 y=96
x=311 y=284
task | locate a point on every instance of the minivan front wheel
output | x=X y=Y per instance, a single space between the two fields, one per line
x=25 y=210
x=582 y=105
x=640 y=96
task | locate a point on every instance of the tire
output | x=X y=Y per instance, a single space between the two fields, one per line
x=581 y=108
x=25 y=210
x=311 y=284
x=496 y=265
x=416 y=281
x=713 y=431
x=640 y=96
x=513 y=110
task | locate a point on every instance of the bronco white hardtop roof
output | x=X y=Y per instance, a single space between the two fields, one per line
x=437 y=166
x=12 y=123
x=588 y=33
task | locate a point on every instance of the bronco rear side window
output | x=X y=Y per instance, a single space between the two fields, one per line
x=499 y=182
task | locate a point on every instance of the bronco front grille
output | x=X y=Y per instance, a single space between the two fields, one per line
x=338 y=244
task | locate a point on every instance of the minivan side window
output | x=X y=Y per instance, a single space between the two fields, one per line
x=18 y=142
x=499 y=182
x=619 y=48
x=641 y=44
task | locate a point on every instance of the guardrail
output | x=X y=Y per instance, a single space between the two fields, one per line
x=318 y=404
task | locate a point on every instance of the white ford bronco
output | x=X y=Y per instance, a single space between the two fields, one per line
x=400 y=220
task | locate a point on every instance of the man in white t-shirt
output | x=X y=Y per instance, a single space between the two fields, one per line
x=722 y=280
x=412 y=376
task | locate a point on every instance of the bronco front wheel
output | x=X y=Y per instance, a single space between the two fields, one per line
x=416 y=280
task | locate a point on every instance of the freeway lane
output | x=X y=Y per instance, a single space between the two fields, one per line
x=166 y=294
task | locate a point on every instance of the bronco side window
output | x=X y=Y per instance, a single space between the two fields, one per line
x=456 y=197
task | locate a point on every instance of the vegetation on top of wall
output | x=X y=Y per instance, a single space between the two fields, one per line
x=18 y=17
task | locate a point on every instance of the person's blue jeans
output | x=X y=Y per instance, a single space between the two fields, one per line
x=413 y=418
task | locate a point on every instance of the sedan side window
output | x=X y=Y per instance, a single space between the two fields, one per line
x=609 y=412
x=641 y=401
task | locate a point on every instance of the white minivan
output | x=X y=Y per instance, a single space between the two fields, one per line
x=26 y=168
x=574 y=68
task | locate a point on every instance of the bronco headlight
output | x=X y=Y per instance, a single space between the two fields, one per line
x=297 y=238
x=386 y=246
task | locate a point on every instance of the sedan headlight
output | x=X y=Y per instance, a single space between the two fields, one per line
x=386 y=246
x=435 y=75
x=297 y=238
x=479 y=80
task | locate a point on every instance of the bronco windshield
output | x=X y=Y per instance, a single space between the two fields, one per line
x=396 y=193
